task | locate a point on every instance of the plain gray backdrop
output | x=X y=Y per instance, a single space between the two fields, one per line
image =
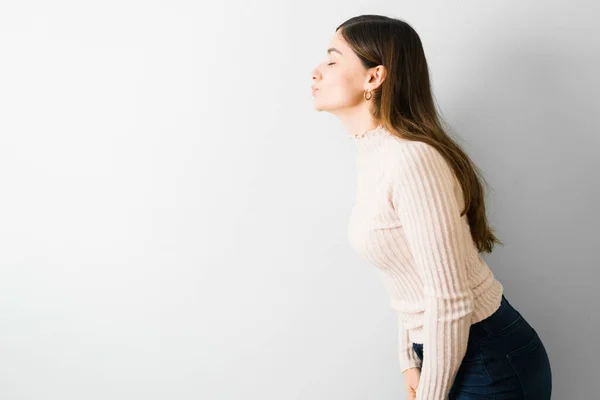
x=173 y=210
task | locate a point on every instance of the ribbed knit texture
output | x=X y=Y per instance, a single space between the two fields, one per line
x=406 y=221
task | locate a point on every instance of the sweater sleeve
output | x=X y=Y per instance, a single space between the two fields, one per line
x=439 y=239
x=407 y=355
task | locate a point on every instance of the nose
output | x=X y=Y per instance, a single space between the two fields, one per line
x=315 y=74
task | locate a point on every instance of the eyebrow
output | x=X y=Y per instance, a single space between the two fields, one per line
x=332 y=50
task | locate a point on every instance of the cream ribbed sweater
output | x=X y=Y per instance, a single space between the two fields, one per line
x=406 y=221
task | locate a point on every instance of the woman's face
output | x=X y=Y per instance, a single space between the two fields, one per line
x=340 y=80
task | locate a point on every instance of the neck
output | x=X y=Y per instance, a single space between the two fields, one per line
x=357 y=123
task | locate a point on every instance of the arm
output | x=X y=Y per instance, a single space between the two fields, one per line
x=439 y=239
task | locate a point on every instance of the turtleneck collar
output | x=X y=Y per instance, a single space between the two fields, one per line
x=367 y=132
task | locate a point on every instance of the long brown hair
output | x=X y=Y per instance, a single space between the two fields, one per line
x=404 y=105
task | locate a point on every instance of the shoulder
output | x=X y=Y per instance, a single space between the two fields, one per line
x=412 y=155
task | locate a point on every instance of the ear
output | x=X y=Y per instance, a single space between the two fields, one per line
x=376 y=76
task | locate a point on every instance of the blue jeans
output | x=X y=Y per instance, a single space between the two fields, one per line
x=505 y=359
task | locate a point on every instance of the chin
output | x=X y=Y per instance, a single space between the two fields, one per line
x=322 y=107
x=319 y=107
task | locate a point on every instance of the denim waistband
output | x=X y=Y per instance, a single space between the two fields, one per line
x=503 y=317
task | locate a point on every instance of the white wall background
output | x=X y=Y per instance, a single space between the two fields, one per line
x=173 y=210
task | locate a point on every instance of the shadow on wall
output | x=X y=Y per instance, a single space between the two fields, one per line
x=529 y=110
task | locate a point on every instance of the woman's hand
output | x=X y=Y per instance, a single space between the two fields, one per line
x=412 y=377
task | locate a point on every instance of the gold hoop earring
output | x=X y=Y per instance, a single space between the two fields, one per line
x=370 y=95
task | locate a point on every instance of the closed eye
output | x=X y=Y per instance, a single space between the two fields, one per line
x=330 y=63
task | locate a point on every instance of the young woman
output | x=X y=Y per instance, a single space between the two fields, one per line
x=420 y=218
